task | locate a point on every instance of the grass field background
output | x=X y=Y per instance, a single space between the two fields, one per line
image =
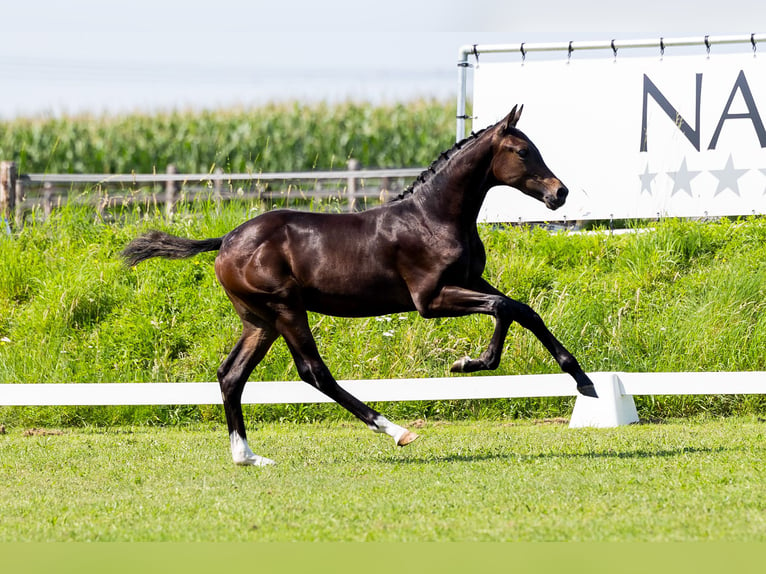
x=683 y=296
x=692 y=480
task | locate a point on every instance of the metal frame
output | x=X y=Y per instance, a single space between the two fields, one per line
x=523 y=49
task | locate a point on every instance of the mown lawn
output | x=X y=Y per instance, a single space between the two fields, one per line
x=681 y=480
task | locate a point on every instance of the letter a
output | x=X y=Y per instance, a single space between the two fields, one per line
x=752 y=112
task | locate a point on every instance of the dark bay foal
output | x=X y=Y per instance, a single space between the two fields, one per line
x=420 y=252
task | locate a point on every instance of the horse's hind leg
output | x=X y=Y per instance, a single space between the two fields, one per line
x=293 y=326
x=232 y=376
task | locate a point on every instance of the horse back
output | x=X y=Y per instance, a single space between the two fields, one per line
x=338 y=264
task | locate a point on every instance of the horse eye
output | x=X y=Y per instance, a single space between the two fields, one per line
x=524 y=152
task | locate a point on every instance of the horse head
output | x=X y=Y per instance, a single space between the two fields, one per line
x=518 y=163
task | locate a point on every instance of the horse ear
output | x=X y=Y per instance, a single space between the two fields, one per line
x=512 y=119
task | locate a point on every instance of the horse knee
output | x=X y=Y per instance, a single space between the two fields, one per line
x=506 y=310
x=523 y=314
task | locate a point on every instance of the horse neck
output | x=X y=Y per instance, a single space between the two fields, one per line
x=457 y=190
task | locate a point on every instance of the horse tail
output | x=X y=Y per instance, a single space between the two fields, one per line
x=159 y=244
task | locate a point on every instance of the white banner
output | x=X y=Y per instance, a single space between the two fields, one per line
x=635 y=137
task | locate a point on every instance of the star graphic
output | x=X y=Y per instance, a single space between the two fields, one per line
x=682 y=179
x=728 y=177
x=646 y=180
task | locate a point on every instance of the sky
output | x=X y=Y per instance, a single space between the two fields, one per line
x=97 y=56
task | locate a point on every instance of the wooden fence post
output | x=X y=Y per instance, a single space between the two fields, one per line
x=170 y=191
x=19 y=199
x=353 y=165
x=385 y=189
x=47 y=200
x=8 y=178
x=218 y=188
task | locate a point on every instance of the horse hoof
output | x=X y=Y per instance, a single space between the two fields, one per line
x=459 y=365
x=587 y=390
x=256 y=460
x=407 y=438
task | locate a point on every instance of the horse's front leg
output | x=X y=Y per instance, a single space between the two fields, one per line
x=459 y=301
x=489 y=360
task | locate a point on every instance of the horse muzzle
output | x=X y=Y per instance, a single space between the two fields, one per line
x=555 y=199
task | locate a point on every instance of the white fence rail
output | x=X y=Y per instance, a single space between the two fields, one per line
x=614 y=407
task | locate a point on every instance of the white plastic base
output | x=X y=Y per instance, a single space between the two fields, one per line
x=612 y=408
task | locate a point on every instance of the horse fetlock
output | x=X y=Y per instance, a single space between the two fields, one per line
x=460 y=366
x=243 y=456
x=469 y=365
x=569 y=364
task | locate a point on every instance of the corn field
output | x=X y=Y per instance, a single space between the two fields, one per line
x=275 y=137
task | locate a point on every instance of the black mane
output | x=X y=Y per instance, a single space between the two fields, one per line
x=438 y=163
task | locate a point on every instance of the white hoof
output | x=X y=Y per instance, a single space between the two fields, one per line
x=400 y=435
x=255 y=460
x=243 y=456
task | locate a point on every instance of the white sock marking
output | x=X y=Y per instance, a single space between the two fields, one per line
x=382 y=424
x=242 y=455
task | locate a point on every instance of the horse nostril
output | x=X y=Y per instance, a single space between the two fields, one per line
x=562 y=193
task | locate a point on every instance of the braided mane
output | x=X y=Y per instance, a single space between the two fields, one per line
x=438 y=164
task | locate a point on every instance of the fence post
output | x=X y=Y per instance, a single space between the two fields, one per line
x=385 y=189
x=218 y=188
x=47 y=200
x=19 y=199
x=8 y=178
x=170 y=191
x=353 y=165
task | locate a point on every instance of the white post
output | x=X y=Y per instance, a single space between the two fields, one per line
x=612 y=408
x=353 y=165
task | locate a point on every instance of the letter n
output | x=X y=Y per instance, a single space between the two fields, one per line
x=692 y=134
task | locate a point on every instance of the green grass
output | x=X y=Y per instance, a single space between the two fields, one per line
x=686 y=296
x=694 y=480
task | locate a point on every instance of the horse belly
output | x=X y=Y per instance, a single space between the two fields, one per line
x=359 y=299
